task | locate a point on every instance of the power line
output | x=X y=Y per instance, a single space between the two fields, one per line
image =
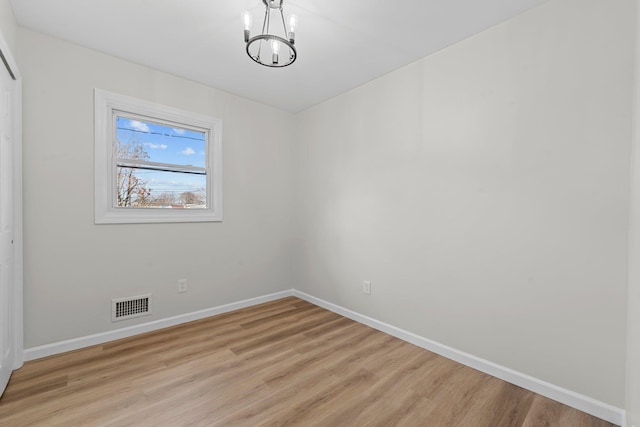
x=162 y=134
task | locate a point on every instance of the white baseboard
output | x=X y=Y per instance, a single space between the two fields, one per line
x=81 y=342
x=575 y=400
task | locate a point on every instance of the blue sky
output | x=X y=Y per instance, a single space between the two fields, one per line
x=166 y=144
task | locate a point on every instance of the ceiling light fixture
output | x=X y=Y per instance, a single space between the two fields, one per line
x=276 y=41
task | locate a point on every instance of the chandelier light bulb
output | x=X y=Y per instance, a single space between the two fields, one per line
x=293 y=23
x=248 y=20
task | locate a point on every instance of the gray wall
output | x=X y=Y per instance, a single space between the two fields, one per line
x=8 y=24
x=633 y=299
x=484 y=191
x=73 y=268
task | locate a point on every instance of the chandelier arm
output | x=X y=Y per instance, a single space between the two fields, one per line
x=267 y=22
x=284 y=26
x=264 y=24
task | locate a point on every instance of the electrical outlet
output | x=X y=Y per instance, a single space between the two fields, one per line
x=182 y=285
x=366 y=287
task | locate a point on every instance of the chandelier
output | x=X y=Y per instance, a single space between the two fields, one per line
x=274 y=46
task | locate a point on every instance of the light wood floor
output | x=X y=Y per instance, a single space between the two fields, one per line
x=286 y=362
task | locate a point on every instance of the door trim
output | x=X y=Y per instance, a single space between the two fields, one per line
x=9 y=62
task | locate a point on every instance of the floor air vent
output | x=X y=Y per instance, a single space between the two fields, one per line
x=128 y=308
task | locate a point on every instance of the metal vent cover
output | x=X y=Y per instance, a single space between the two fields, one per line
x=130 y=307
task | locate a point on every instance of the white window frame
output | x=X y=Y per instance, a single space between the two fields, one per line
x=107 y=104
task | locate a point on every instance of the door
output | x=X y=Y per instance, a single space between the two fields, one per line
x=8 y=289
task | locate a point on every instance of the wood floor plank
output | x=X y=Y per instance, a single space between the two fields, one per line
x=505 y=404
x=380 y=398
x=282 y=363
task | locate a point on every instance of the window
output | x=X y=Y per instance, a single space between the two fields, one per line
x=155 y=163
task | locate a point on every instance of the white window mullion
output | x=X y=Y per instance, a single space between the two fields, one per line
x=168 y=167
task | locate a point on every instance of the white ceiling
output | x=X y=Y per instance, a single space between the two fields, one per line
x=341 y=44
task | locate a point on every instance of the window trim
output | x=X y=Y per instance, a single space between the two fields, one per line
x=108 y=103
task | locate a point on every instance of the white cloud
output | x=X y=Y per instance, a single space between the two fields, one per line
x=188 y=151
x=178 y=131
x=142 y=127
x=155 y=146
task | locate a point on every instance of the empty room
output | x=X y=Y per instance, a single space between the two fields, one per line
x=320 y=213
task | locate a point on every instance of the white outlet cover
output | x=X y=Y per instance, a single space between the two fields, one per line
x=366 y=287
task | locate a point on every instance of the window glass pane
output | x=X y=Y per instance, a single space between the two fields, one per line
x=142 y=188
x=149 y=141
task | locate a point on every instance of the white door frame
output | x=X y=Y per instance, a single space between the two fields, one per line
x=7 y=60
